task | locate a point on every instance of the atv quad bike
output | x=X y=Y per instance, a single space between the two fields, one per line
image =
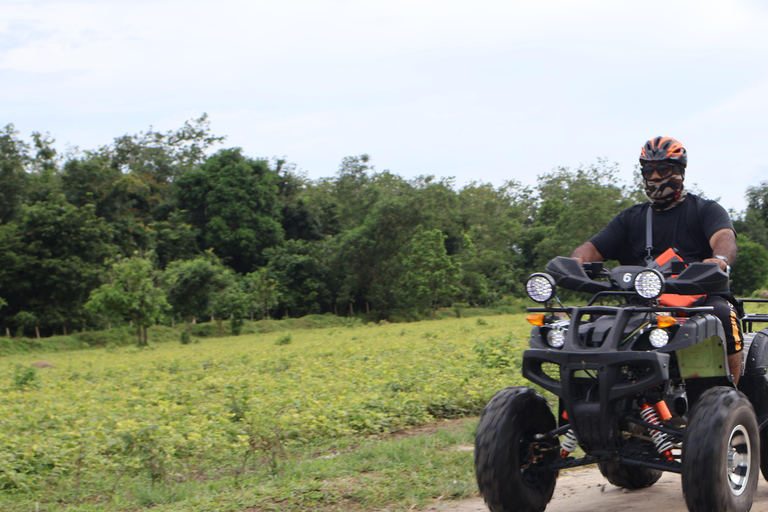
x=642 y=388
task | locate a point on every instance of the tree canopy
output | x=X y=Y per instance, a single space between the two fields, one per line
x=217 y=232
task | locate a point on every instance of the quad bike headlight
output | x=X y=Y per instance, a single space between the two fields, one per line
x=659 y=338
x=556 y=338
x=649 y=283
x=540 y=287
x=556 y=333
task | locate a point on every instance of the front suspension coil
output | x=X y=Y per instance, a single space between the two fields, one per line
x=569 y=443
x=660 y=439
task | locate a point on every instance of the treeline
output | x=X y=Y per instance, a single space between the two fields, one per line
x=157 y=227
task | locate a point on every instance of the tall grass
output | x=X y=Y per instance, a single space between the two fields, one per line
x=236 y=422
x=125 y=335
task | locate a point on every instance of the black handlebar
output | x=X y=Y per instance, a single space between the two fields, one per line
x=696 y=279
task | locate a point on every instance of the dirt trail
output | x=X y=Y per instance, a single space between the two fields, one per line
x=586 y=490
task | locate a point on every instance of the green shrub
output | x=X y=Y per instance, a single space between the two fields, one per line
x=494 y=352
x=236 y=325
x=283 y=340
x=205 y=330
x=107 y=337
x=163 y=333
x=458 y=307
x=404 y=315
x=25 y=377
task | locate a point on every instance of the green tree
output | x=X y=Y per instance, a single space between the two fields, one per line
x=13 y=260
x=2 y=303
x=163 y=156
x=231 y=302
x=131 y=293
x=754 y=222
x=52 y=259
x=90 y=179
x=352 y=191
x=173 y=239
x=752 y=226
x=262 y=291
x=368 y=256
x=27 y=320
x=299 y=220
x=320 y=201
x=430 y=274
x=757 y=199
x=475 y=286
x=494 y=223
x=130 y=181
x=43 y=177
x=233 y=201
x=750 y=271
x=193 y=284
x=574 y=206
x=301 y=278
x=125 y=200
x=14 y=158
x=46 y=158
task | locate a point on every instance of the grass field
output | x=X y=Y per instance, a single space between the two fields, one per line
x=285 y=420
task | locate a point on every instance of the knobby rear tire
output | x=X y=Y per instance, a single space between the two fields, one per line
x=629 y=477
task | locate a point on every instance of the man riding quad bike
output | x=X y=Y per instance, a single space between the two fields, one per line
x=653 y=374
x=641 y=388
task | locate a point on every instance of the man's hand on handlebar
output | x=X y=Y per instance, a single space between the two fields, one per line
x=723 y=266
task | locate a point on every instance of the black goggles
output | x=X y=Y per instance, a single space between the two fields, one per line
x=662 y=170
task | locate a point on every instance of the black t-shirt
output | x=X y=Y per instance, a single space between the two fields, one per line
x=687 y=228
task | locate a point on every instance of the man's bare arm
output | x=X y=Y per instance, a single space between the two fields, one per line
x=723 y=243
x=587 y=252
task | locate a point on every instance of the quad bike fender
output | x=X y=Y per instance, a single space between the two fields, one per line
x=703 y=360
x=756 y=362
x=754 y=382
x=696 y=329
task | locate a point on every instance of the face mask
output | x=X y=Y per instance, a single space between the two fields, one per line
x=665 y=193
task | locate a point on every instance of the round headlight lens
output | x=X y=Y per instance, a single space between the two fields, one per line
x=649 y=283
x=556 y=338
x=659 y=338
x=540 y=287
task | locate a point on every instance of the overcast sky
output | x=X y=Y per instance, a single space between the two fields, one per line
x=477 y=90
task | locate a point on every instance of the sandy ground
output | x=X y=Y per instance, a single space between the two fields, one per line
x=586 y=490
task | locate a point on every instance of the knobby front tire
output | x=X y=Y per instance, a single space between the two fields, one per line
x=507 y=428
x=721 y=453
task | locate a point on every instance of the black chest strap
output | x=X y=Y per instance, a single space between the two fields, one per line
x=649 y=235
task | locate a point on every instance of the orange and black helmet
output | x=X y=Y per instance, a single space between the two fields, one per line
x=664 y=148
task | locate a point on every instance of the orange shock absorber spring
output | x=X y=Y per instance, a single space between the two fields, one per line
x=660 y=439
x=569 y=442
